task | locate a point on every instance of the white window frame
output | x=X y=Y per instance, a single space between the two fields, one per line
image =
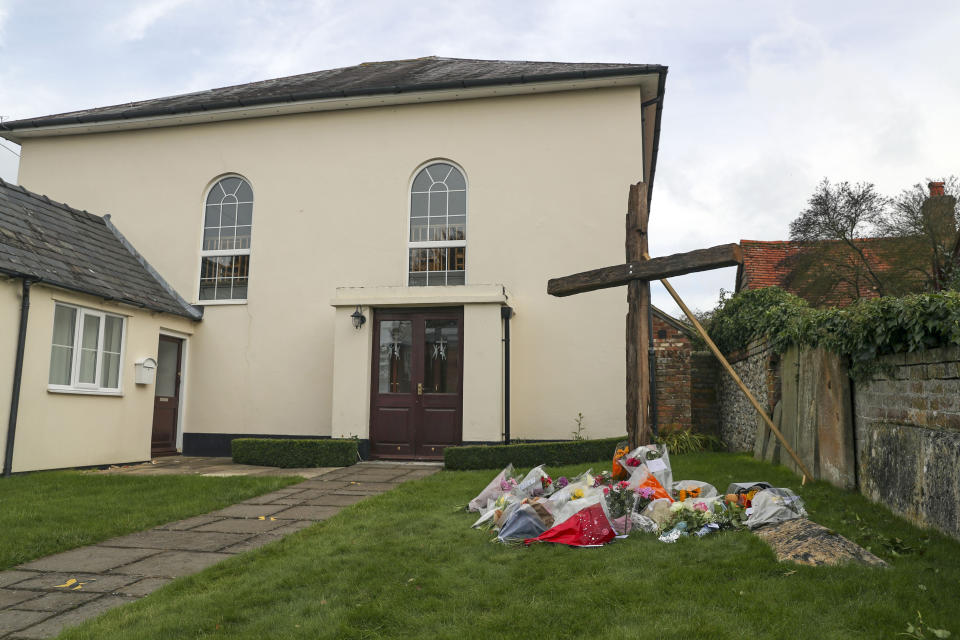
x=205 y=253
x=75 y=385
x=435 y=244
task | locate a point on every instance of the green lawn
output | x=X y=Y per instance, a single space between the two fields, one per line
x=52 y=511
x=406 y=564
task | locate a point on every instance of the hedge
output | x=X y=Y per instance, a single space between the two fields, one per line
x=862 y=332
x=530 y=454
x=289 y=453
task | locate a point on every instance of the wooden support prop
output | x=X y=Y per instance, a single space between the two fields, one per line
x=736 y=378
x=678 y=264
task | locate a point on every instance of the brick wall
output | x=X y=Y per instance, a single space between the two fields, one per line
x=686 y=381
x=907 y=424
x=704 y=401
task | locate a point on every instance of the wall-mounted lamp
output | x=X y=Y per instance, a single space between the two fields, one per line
x=358 y=318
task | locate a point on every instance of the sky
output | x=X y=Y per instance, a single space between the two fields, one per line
x=763 y=99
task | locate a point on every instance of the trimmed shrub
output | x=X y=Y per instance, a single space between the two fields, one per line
x=530 y=454
x=290 y=453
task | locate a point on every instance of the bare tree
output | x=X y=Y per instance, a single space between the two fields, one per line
x=836 y=217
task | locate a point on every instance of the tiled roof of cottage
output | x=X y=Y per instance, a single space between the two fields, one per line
x=772 y=264
x=53 y=243
x=371 y=78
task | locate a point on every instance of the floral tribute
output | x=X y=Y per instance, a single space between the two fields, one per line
x=592 y=510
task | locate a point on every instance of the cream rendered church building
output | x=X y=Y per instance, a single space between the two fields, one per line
x=343 y=253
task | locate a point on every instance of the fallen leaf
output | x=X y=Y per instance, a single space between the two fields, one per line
x=790 y=573
x=68 y=583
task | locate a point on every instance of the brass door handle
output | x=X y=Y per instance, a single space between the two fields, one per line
x=419 y=388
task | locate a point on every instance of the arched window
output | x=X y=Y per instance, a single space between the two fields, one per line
x=225 y=259
x=438 y=226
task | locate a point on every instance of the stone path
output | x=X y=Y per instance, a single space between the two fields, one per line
x=40 y=598
x=207 y=466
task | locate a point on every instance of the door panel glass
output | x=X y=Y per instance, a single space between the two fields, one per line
x=441 y=357
x=396 y=351
x=167 y=353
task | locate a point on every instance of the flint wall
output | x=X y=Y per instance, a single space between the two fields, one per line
x=758 y=367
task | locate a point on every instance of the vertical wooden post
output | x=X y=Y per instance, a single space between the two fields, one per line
x=638 y=330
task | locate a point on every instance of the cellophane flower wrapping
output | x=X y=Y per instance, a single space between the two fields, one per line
x=492 y=490
x=772 y=506
x=588 y=527
x=658 y=511
x=562 y=494
x=523 y=523
x=588 y=497
x=652 y=458
x=532 y=483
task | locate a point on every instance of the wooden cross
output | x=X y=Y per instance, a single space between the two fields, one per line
x=636 y=274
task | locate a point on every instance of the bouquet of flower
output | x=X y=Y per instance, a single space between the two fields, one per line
x=546 y=484
x=683 y=494
x=617 y=471
x=603 y=479
x=693 y=514
x=620 y=499
x=644 y=496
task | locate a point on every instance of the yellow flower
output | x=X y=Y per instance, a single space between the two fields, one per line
x=577 y=494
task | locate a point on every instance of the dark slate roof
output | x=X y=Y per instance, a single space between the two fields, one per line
x=370 y=78
x=53 y=243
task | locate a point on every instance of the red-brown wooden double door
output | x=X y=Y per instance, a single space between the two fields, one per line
x=417 y=383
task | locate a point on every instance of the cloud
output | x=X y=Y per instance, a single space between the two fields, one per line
x=4 y=16
x=134 y=25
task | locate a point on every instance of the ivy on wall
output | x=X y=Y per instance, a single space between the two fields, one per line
x=863 y=332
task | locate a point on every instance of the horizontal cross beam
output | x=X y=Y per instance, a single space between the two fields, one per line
x=678 y=264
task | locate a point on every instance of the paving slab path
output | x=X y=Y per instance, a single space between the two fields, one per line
x=40 y=598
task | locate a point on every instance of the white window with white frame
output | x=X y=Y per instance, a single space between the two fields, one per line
x=225 y=257
x=87 y=350
x=437 y=245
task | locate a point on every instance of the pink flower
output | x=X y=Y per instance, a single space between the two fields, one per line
x=701 y=506
x=624 y=484
x=606 y=490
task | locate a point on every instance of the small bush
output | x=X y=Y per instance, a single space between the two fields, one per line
x=289 y=454
x=530 y=454
x=680 y=441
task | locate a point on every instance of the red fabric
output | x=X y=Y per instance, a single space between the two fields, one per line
x=586 y=527
x=658 y=491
